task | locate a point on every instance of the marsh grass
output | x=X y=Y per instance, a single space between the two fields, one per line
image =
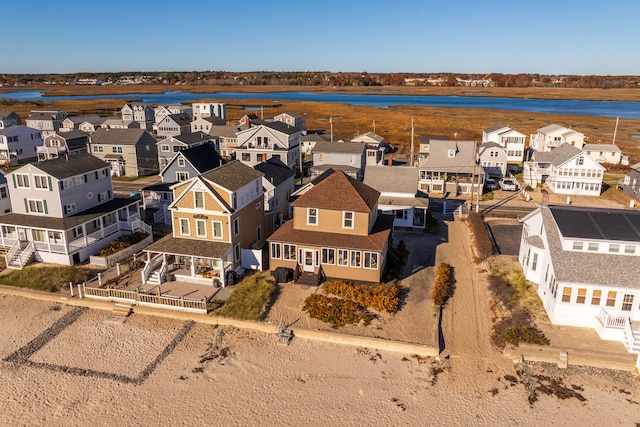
x=250 y=300
x=47 y=278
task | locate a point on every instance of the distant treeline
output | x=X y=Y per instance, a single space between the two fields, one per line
x=224 y=78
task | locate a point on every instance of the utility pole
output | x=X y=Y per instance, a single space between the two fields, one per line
x=615 y=132
x=331 y=123
x=411 y=158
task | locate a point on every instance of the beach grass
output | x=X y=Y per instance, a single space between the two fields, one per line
x=47 y=278
x=250 y=300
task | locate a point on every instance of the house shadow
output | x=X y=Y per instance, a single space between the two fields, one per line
x=441 y=340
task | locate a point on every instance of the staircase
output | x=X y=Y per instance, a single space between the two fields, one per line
x=18 y=257
x=307 y=279
x=120 y=313
x=632 y=339
x=154 y=278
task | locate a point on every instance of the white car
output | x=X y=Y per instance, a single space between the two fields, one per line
x=508 y=184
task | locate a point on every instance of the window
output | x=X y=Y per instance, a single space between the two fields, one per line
x=80 y=179
x=451 y=153
x=611 y=298
x=181 y=162
x=116 y=149
x=534 y=262
x=259 y=233
x=288 y=251
x=21 y=180
x=582 y=295
x=66 y=183
x=355 y=258
x=40 y=181
x=629 y=249
x=77 y=232
x=217 y=229
x=201 y=228
x=176 y=148
x=312 y=216
x=198 y=199
x=321 y=157
x=236 y=226
x=98 y=149
x=593 y=246
x=3 y=192
x=184 y=226
x=347 y=219
x=566 y=294
x=614 y=247
x=258 y=204
x=627 y=302
x=328 y=256
x=38 y=235
x=580 y=161
x=105 y=195
x=246 y=157
x=595 y=298
x=275 y=251
x=71 y=207
x=371 y=260
x=182 y=176
x=236 y=251
x=38 y=206
x=164 y=147
x=343 y=257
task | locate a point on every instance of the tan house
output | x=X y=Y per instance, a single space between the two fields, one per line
x=336 y=232
x=129 y=152
x=217 y=217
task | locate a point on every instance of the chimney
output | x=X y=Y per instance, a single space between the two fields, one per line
x=390 y=159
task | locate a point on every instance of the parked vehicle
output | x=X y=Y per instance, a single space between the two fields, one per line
x=490 y=184
x=507 y=184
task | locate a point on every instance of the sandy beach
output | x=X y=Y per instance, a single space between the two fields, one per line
x=66 y=365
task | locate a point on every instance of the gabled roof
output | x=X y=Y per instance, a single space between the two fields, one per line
x=43 y=115
x=463 y=161
x=81 y=119
x=282 y=127
x=339 y=147
x=189 y=138
x=180 y=119
x=233 y=175
x=294 y=115
x=612 y=148
x=315 y=181
x=313 y=137
x=275 y=171
x=368 y=135
x=392 y=179
x=340 y=192
x=8 y=113
x=494 y=128
x=202 y=157
x=226 y=131
x=12 y=129
x=62 y=167
x=550 y=128
x=118 y=136
x=72 y=134
x=559 y=155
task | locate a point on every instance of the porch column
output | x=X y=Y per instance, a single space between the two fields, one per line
x=102 y=227
x=84 y=234
x=193 y=267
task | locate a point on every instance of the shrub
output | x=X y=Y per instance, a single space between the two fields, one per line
x=122 y=243
x=336 y=311
x=517 y=329
x=443 y=285
x=378 y=297
x=481 y=236
x=250 y=300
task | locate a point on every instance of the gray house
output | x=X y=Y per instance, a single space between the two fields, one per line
x=451 y=167
x=143 y=114
x=173 y=124
x=348 y=157
x=9 y=118
x=192 y=162
x=278 y=184
x=168 y=147
x=64 y=143
x=18 y=144
x=63 y=211
x=47 y=122
x=631 y=183
x=493 y=159
x=227 y=136
x=130 y=152
x=264 y=141
x=204 y=124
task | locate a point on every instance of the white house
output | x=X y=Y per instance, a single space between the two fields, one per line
x=46 y=121
x=370 y=138
x=209 y=109
x=586 y=264
x=493 y=158
x=261 y=142
x=292 y=119
x=18 y=144
x=552 y=136
x=511 y=140
x=565 y=170
x=606 y=153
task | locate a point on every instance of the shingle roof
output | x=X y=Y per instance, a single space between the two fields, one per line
x=6 y=113
x=117 y=136
x=371 y=135
x=375 y=241
x=192 y=138
x=233 y=175
x=275 y=171
x=558 y=155
x=487 y=145
x=189 y=247
x=226 y=131
x=282 y=127
x=392 y=179
x=494 y=128
x=340 y=192
x=602 y=147
x=550 y=128
x=339 y=147
x=203 y=157
x=464 y=160
x=78 y=164
x=181 y=119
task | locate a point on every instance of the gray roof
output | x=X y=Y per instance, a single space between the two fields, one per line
x=11 y=129
x=91 y=119
x=43 y=115
x=8 y=113
x=62 y=167
x=72 y=134
x=392 y=179
x=339 y=147
x=203 y=157
x=190 y=138
x=313 y=137
x=602 y=147
x=558 y=155
x=233 y=175
x=550 y=128
x=118 y=136
x=426 y=139
x=226 y=131
x=181 y=119
x=275 y=171
x=588 y=267
x=535 y=241
x=487 y=145
x=282 y=127
x=464 y=160
x=494 y=128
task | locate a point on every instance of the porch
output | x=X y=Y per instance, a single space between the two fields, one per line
x=616 y=325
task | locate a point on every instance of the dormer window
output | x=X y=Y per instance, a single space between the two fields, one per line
x=312 y=216
x=580 y=161
x=347 y=219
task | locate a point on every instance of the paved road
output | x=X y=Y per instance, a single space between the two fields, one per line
x=127 y=187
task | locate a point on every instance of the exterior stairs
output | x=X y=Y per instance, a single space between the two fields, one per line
x=308 y=279
x=120 y=313
x=19 y=257
x=154 y=278
x=635 y=348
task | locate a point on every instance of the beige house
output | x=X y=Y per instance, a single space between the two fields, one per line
x=216 y=217
x=336 y=232
x=129 y=152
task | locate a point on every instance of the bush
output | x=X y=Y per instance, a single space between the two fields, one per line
x=517 y=329
x=250 y=300
x=122 y=243
x=378 y=297
x=481 y=236
x=336 y=311
x=443 y=285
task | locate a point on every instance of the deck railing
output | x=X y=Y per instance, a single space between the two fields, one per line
x=198 y=306
x=609 y=321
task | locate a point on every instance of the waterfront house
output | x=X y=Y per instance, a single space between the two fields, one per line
x=606 y=153
x=261 y=142
x=173 y=124
x=450 y=168
x=142 y=114
x=292 y=119
x=585 y=263
x=218 y=220
x=493 y=159
x=209 y=109
x=63 y=143
x=64 y=210
x=46 y=121
x=565 y=170
x=18 y=144
x=370 y=138
x=130 y=152
x=511 y=140
x=349 y=157
x=336 y=232
x=553 y=136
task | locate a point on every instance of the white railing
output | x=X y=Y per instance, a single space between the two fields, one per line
x=609 y=321
x=195 y=306
x=630 y=337
x=25 y=254
x=149 y=265
x=13 y=250
x=162 y=274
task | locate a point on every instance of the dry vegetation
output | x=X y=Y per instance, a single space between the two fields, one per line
x=392 y=123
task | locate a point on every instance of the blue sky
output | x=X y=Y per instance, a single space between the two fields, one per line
x=495 y=36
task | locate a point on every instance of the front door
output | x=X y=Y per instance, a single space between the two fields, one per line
x=22 y=234
x=308 y=264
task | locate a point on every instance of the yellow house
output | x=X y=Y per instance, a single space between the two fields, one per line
x=336 y=232
x=215 y=216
